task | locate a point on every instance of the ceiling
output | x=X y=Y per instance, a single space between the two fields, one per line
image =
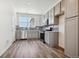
x=33 y=6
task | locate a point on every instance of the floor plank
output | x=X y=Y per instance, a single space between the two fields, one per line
x=31 y=49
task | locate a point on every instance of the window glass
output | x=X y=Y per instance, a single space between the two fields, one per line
x=24 y=21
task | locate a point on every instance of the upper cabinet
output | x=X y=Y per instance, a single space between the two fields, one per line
x=54 y=13
x=46 y=16
x=42 y=20
x=62 y=6
x=51 y=16
x=71 y=8
x=57 y=9
x=51 y=12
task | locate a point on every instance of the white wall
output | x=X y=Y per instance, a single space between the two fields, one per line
x=61 y=31
x=7 y=26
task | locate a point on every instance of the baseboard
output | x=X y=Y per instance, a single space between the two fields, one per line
x=6 y=49
x=28 y=39
x=60 y=48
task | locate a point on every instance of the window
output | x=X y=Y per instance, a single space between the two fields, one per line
x=24 y=21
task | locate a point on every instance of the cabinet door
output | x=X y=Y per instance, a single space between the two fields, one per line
x=71 y=8
x=62 y=6
x=51 y=12
x=47 y=15
x=51 y=16
x=71 y=37
x=47 y=37
x=50 y=20
x=57 y=9
x=18 y=34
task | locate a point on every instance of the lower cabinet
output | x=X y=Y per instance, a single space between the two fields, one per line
x=27 y=34
x=71 y=37
x=51 y=38
x=18 y=34
x=32 y=34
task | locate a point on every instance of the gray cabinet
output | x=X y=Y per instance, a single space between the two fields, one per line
x=51 y=16
x=71 y=8
x=71 y=37
x=51 y=38
x=18 y=34
x=57 y=9
x=62 y=6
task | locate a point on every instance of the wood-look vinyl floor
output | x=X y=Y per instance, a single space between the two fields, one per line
x=31 y=49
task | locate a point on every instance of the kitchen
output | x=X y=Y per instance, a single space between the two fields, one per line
x=44 y=27
x=39 y=28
